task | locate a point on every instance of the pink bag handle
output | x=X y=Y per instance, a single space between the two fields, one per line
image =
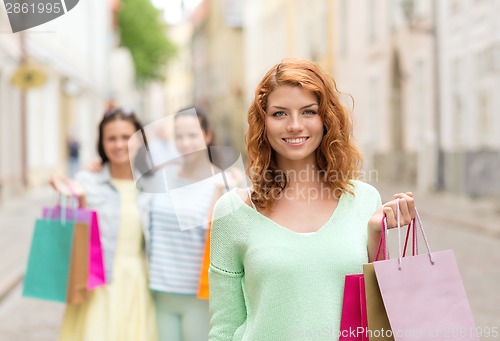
x=63 y=204
x=419 y=220
x=398 y=218
x=60 y=203
x=414 y=244
x=411 y=227
x=381 y=243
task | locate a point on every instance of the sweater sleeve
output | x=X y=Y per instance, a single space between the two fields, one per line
x=227 y=304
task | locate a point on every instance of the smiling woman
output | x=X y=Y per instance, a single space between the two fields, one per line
x=280 y=251
x=294 y=128
x=302 y=100
x=123 y=309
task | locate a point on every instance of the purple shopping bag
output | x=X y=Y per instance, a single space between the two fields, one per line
x=96 y=273
x=424 y=296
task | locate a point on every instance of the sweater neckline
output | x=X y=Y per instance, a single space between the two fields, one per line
x=333 y=217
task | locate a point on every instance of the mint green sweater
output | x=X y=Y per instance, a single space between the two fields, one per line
x=268 y=283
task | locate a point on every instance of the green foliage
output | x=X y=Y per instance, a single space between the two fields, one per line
x=143 y=32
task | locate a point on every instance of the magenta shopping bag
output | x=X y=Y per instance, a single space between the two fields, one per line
x=424 y=297
x=96 y=275
x=353 y=323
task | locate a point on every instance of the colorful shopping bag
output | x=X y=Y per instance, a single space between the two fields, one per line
x=379 y=328
x=203 y=285
x=96 y=274
x=424 y=296
x=353 y=324
x=77 y=283
x=48 y=266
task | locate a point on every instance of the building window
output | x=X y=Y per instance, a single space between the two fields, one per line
x=395 y=18
x=485 y=62
x=371 y=26
x=485 y=120
x=374 y=111
x=344 y=28
x=455 y=6
x=420 y=103
x=457 y=104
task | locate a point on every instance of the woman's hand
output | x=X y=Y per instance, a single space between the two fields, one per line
x=234 y=177
x=69 y=188
x=94 y=166
x=389 y=209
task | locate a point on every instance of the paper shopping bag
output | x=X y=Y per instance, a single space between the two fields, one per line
x=77 y=283
x=203 y=286
x=424 y=297
x=425 y=300
x=353 y=324
x=48 y=266
x=379 y=328
x=96 y=273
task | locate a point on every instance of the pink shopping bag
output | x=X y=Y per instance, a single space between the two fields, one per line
x=424 y=297
x=96 y=274
x=353 y=324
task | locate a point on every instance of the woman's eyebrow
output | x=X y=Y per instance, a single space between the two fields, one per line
x=283 y=108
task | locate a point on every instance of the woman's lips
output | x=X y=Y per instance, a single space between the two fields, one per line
x=295 y=141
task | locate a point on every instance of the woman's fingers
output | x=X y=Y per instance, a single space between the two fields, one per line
x=69 y=188
x=406 y=205
x=409 y=202
x=94 y=166
x=59 y=184
x=390 y=215
x=405 y=216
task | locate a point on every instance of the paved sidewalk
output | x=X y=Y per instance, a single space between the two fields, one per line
x=479 y=215
x=17 y=219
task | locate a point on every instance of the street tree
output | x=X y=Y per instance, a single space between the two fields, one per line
x=144 y=33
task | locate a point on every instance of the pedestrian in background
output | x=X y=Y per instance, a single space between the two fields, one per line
x=178 y=225
x=176 y=248
x=280 y=251
x=122 y=310
x=73 y=156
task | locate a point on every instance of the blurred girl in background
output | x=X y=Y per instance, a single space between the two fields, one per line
x=122 y=310
x=179 y=229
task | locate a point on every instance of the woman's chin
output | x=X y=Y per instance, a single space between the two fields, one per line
x=120 y=161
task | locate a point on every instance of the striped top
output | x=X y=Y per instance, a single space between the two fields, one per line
x=179 y=220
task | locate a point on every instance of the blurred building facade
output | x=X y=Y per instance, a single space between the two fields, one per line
x=469 y=36
x=179 y=77
x=387 y=65
x=275 y=30
x=218 y=67
x=74 y=53
x=422 y=75
x=10 y=141
x=232 y=44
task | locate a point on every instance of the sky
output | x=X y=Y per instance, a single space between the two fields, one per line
x=172 y=8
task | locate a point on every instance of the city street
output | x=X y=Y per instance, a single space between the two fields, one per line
x=392 y=77
x=35 y=320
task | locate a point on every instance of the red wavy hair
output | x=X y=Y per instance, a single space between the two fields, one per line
x=336 y=155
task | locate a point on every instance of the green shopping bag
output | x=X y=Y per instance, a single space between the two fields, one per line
x=49 y=260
